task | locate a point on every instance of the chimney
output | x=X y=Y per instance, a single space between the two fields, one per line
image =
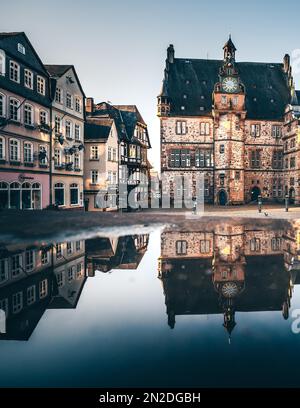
x=89 y=105
x=286 y=63
x=170 y=54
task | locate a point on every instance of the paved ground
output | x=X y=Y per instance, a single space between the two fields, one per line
x=38 y=226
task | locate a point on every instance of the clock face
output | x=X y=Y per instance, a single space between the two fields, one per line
x=229 y=289
x=230 y=84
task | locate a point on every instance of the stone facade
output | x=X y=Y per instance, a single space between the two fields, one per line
x=242 y=148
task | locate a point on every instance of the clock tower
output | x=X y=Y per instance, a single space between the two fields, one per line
x=229 y=122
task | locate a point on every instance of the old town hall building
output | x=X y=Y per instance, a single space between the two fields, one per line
x=237 y=122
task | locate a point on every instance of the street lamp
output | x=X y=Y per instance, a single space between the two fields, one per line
x=259 y=203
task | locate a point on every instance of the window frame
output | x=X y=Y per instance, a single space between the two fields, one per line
x=14 y=71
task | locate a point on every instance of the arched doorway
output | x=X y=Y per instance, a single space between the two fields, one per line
x=255 y=192
x=292 y=195
x=222 y=197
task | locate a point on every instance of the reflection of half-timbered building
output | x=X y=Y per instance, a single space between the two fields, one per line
x=35 y=278
x=104 y=254
x=227 y=268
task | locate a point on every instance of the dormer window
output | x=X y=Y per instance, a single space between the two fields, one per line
x=182 y=108
x=14 y=71
x=184 y=96
x=21 y=48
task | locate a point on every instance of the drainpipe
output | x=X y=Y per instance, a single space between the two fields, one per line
x=50 y=159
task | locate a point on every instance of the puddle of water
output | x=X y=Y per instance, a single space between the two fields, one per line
x=200 y=304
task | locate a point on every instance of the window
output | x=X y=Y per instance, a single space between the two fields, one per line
x=276 y=131
x=15 y=196
x=222 y=149
x=255 y=130
x=60 y=279
x=181 y=128
x=57 y=157
x=14 y=150
x=77 y=104
x=277 y=161
x=235 y=101
x=109 y=156
x=41 y=85
x=78 y=246
x=69 y=100
x=59 y=193
x=109 y=177
x=204 y=246
x=3 y=195
x=43 y=288
x=79 y=269
x=94 y=153
x=3 y=270
x=28 y=153
x=16 y=265
x=292 y=143
x=68 y=129
x=29 y=260
x=58 y=248
x=292 y=162
x=69 y=248
x=28 y=79
x=74 y=194
x=21 y=48
x=44 y=257
x=31 y=296
x=57 y=127
x=255 y=245
x=17 y=302
x=2 y=148
x=77 y=160
x=276 y=244
x=114 y=154
x=2 y=63
x=71 y=273
x=14 y=109
x=77 y=132
x=204 y=128
x=28 y=114
x=2 y=105
x=181 y=247
x=203 y=158
x=224 y=100
x=14 y=71
x=43 y=117
x=255 y=159
x=180 y=158
x=94 y=176
x=58 y=95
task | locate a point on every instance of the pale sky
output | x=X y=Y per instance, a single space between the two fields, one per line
x=119 y=47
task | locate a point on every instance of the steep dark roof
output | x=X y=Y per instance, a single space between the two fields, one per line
x=98 y=129
x=58 y=70
x=298 y=96
x=11 y=34
x=266 y=85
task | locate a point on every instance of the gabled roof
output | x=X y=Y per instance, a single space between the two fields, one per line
x=57 y=71
x=4 y=35
x=266 y=84
x=97 y=129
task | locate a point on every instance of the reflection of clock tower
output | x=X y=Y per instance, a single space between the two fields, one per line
x=229 y=118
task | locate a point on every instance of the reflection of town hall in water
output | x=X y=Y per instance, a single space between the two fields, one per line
x=228 y=268
x=234 y=122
